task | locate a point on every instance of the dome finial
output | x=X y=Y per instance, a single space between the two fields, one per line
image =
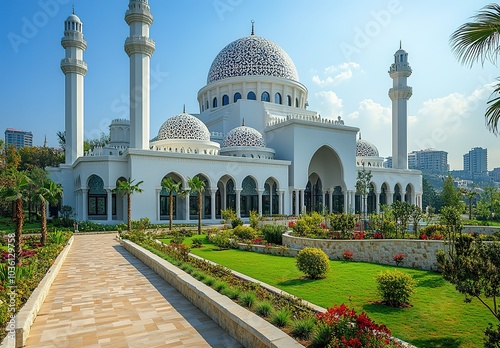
x=184 y=109
x=252 y=27
x=243 y=123
x=73 y=8
x=399 y=44
x=359 y=135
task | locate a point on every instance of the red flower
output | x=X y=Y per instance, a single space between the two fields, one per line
x=291 y=223
x=347 y=255
x=423 y=237
x=378 y=235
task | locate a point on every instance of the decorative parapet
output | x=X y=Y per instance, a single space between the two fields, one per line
x=139 y=44
x=309 y=118
x=73 y=65
x=106 y=151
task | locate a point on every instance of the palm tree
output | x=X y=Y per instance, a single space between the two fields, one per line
x=470 y=195
x=127 y=188
x=480 y=40
x=170 y=186
x=198 y=185
x=50 y=192
x=16 y=192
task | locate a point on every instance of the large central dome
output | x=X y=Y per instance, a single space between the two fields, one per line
x=252 y=55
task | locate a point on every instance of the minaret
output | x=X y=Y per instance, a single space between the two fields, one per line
x=400 y=92
x=74 y=69
x=45 y=144
x=139 y=48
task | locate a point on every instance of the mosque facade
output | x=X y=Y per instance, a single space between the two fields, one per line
x=253 y=142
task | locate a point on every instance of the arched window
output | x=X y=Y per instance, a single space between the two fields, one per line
x=206 y=107
x=265 y=97
x=251 y=96
x=214 y=103
x=237 y=96
x=288 y=100
x=277 y=98
x=296 y=102
x=225 y=100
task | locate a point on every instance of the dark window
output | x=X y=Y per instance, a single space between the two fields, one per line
x=206 y=107
x=214 y=103
x=288 y=100
x=277 y=98
x=296 y=102
x=251 y=96
x=225 y=100
x=265 y=97
x=237 y=96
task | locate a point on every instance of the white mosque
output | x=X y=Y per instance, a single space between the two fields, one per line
x=254 y=143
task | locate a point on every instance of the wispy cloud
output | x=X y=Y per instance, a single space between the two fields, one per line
x=330 y=102
x=335 y=74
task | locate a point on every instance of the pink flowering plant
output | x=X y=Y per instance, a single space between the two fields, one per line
x=399 y=258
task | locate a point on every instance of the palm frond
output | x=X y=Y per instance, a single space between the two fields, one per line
x=478 y=40
x=492 y=114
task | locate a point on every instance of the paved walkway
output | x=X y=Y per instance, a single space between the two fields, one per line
x=105 y=297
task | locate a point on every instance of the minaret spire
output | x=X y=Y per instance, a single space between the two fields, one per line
x=243 y=123
x=400 y=92
x=139 y=48
x=253 y=22
x=184 y=109
x=74 y=69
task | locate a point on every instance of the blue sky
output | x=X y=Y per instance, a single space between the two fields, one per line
x=342 y=50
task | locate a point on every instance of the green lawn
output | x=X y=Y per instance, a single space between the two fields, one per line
x=438 y=317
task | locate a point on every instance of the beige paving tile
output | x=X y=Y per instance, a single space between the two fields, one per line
x=105 y=297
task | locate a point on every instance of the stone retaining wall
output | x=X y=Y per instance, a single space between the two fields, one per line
x=418 y=253
x=481 y=229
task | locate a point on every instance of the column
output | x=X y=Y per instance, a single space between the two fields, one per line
x=85 y=205
x=280 y=203
x=109 y=197
x=324 y=200
x=186 y=208
x=302 y=205
x=259 y=193
x=223 y=197
x=270 y=200
x=330 y=201
x=238 y=203
x=158 y=191
x=213 y=192
x=390 y=196
x=346 y=202
x=377 y=203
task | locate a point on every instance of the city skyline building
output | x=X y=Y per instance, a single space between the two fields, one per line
x=18 y=138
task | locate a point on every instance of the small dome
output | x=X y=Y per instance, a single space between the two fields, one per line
x=252 y=55
x=244 y=136
x=183 y=126
x=366 y=149
x=73 y=18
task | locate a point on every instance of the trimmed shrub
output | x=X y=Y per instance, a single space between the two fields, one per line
x=236 y=222
x=395 y=287
x=196 y=243
x=264 y=308
x=313 y=262
x=244 y=232
x=254 y=218
x=221 y=239
x=273 y=233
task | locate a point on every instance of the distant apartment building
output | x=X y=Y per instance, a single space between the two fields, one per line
x=18 y=138
x=476 y=162
x=388 y=162
x=430 y=161
x=495 y=174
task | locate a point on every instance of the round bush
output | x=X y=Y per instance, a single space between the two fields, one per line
x=244 y=232
x=313 y=262
x=395 y=287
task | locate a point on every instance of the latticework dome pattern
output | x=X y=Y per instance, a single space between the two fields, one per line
x=183 y=126
x=252 y=55
x=243 y=136
x=366 y=149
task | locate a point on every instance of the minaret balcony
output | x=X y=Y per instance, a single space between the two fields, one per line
x=400 y=92
x=73 y=39
x=73 y=65
x=139 y=44
x=139 y=15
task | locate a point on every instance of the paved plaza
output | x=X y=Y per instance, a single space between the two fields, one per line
x=105 y=297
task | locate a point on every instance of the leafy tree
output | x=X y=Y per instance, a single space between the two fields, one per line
x=416 y=215
x=61 y=138
x=488 y=207
x=102 y=141
x=469 y=194
x=170 y=186
x=198 y=186
x=127 y=188
x=36 y=156
x=46 y=191
x=363 y=184
x=474 y=268
x=12 y=158
x=479 y=41
x=16 y=192
x=430 y=197
x=450 y=194
x=401 y=212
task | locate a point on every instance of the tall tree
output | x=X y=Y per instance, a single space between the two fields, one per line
x=17 y=192
x=12 y=158
x=479 y=40
x=429 y=195
x=127 y=188
x=198 y=186
x=171 y=187
x=363 y=183
x=46 y=191
x=469 y=194
x=450 y=194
